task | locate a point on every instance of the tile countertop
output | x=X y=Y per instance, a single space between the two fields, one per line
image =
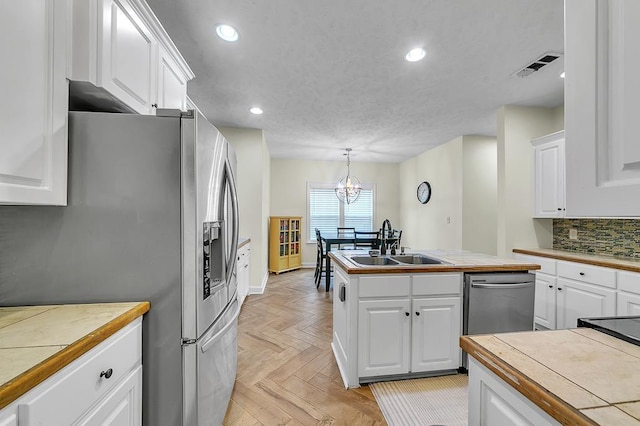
x=458 y=261
x=579 y=376
x=624 y=263
x=38 y=341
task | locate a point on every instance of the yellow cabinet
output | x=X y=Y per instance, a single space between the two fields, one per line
x=284 y=243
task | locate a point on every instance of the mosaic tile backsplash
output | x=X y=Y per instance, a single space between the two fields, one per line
x=611 y=237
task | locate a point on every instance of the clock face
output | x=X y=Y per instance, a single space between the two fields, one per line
x=424 y=192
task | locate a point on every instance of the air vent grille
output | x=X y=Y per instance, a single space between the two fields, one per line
x=538 y=64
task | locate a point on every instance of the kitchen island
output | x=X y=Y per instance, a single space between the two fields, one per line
x=56 y=356
x=403 y=320
x=577 y=376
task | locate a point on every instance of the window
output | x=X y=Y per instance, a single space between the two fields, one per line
x=326 y=213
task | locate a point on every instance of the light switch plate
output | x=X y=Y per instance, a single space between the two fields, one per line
x=573 y=234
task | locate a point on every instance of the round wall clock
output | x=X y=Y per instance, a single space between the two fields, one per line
x=424 y=192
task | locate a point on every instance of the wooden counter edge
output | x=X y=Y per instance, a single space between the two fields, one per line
x=545 y=400
x=613 y=264
x=26 y=381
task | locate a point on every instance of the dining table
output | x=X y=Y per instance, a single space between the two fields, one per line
x=333 y=239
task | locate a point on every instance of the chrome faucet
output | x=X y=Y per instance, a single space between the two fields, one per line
x=383 y=238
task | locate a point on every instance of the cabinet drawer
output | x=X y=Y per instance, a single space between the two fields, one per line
x=66 y=395
x=436 y=284
x=547 y=266
x=384 y=286
x=587 y=273
x=629 y=282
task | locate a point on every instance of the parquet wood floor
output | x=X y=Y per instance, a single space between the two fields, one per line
x=286 y=371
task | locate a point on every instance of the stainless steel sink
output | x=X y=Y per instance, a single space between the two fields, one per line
x=417 y=259
x=367 y=260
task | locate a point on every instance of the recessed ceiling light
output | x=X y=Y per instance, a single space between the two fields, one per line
x=415 y=54
x=255 y=110
x=562 y=75
x=227 y=32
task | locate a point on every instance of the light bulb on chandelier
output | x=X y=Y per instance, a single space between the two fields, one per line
x=348 y=188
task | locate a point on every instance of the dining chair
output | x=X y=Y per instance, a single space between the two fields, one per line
x=364 y=239
x=347 y=233
x=321 y=260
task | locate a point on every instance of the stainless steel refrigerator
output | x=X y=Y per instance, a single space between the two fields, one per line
x=152 y=215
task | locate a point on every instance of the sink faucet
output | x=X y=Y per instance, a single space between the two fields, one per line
x=383 y=239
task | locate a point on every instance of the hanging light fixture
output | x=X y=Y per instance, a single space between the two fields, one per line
x=348 y=188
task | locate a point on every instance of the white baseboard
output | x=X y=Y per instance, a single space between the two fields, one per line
x=260 y=289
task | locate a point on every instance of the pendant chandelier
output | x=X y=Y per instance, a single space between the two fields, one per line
x=348 y=188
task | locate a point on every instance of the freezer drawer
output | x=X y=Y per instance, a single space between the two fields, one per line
x=210 y=371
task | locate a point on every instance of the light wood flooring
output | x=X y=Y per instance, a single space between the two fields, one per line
x=286 y=371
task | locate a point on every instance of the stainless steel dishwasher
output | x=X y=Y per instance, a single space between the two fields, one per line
x=497 y=302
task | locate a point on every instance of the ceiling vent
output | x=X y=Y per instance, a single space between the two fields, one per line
x=538 y=64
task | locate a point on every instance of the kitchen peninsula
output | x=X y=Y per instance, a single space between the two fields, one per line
x=395 y=319
x=578 y=376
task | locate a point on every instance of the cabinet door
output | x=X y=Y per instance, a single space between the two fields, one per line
x=33 y=145
x=243 y=272
x=545 y=301
x=578 y=300
x=172 y=84
x=628 y=304
x=383 y=337
x=494 y=402
x=127 y=61
x=549 y=177
x=601 y=107
x=435 y=334
x=120 y=407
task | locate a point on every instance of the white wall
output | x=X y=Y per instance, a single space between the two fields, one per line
x=479 y=194
x=462 y=211
x=289 y=190
x=516 y=127
x=253 y=174
x=425 y=226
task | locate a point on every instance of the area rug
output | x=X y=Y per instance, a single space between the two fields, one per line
x=430 y=401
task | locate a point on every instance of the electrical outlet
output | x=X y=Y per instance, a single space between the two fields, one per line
x=573 y=234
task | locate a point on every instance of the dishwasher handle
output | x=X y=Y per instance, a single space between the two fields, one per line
x=506 y=285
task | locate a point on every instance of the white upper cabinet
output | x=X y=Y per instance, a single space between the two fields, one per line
x=33 y=146
x=120 y=48
x=549 y=170
x=601 y=108
x=172 y=84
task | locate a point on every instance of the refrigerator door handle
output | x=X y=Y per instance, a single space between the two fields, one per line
x=231 y=261
x=213 y=339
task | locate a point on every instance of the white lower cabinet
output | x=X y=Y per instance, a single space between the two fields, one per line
x=628 y=293
x=383 y=337
x=578 y=300
x=545 y=301
x=566 y=291
x=121 y=407
x=243 y=271
x=396 y=325
x=103 y=386
x=494 y=402
x=435 y=334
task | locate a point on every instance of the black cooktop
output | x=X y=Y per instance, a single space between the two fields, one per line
x=625 y=328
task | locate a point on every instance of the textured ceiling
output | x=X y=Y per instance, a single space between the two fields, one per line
x=331 y=74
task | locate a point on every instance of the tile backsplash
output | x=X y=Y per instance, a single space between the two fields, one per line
x=612 y=237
